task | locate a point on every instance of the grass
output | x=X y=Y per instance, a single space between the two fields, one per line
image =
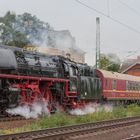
x=62 y=119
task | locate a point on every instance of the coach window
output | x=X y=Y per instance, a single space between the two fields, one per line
x=106 y=83
x=127 y=85
x=135 y=88
x=130 y=87
x=114 y=85
x=138 y=86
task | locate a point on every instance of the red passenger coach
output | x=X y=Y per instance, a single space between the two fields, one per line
x=117 y=86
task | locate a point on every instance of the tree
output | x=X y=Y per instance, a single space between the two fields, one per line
x=25 y=30
x=110 y=62
x=22 y=30
x=35 y=30
x=19 y=39
x=114 y=67
x=104 y=62
x=8 y=34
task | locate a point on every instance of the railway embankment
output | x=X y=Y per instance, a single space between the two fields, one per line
x=63 y=119
x=76 y=131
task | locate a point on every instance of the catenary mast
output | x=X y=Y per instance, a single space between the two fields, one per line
x=97 y=42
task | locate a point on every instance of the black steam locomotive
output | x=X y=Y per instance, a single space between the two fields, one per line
x=26 y=76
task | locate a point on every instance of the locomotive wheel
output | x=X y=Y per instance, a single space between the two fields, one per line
x=9 y=115
x=48 y=99
x=34 y=96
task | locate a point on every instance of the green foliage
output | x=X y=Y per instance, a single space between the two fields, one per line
x=119 y=112
x=104 y=63
x=60 y=119
x=107 y=64
x=114 y=67
x=8 y=33
x=19 y=40
x=22 y=30
x=132 y=110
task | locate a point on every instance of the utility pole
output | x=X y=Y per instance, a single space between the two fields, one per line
x=97 y=42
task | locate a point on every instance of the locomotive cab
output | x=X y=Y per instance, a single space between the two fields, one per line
x=70 y=71
x=89 y=83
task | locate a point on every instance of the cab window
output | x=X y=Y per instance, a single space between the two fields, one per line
x=73 y=71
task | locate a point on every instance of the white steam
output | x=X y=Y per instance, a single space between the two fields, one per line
x=91 y=108
x=112 y=58
x=34 y=111
x=62 y=41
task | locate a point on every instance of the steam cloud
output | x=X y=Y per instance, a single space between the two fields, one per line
x=62 y=40
x=91 y=108
x=34 y=111
x=112 y=57
x=40 y=108
x=44 y=35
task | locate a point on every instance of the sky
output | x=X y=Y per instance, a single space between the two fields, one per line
x=81 y=22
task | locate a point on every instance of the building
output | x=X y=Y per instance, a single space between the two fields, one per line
x=64 y=44
x=134 y=69
x=76 y=55
x=60 y=43
x=129 y=62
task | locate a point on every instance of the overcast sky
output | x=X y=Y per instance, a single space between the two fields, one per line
x=81 y=21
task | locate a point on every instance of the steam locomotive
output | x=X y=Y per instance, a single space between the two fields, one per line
x=26 y=77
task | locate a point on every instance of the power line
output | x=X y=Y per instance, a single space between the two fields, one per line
x=132 y=9
x=111 y=18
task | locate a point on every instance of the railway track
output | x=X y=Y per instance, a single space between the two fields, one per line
x=8 y=119
x=133 y=138
x=75 y=130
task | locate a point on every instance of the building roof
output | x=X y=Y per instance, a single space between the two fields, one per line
x=130 y=67
x=119 y=76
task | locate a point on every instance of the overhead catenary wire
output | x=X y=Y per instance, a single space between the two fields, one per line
x=110 y=17
x=132 y=9
x=108 y=7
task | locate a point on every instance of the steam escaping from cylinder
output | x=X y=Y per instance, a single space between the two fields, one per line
x=91 y=108
x=33 y=111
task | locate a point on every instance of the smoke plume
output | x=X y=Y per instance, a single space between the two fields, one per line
x=91 y=108
x=34 y=111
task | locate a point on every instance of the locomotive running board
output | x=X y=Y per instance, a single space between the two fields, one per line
x=33 y=78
